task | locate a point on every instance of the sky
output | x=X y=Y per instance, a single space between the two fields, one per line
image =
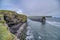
x=33 y=7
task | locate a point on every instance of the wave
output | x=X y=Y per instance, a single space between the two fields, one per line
x=29 y=34
x=53 y=23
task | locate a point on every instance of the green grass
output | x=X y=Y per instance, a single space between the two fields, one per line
x=5 y=33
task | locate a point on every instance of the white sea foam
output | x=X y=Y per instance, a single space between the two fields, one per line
x=29 y=34
x=53 y=23
x=40 y=37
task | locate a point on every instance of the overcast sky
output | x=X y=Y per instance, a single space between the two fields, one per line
x=32 y=7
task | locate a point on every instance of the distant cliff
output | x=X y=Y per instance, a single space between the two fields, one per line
x=38 y=18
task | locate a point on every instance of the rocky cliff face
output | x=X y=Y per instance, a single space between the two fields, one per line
x=17 y=23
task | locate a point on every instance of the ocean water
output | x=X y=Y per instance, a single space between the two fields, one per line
x=54 y=21
x=48 y=31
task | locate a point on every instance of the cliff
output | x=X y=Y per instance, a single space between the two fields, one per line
x=15 y=22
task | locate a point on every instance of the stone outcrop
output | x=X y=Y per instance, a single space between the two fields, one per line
x=21 y=33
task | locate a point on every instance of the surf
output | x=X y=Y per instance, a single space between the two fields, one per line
x=53 y=23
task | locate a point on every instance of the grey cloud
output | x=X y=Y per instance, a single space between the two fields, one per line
x=34 y=7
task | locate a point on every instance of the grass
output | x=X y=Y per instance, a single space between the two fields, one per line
x=5 y=33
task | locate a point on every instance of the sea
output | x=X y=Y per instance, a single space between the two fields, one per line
x=48 y=31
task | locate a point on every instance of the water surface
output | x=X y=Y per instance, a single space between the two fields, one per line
x=38 y=31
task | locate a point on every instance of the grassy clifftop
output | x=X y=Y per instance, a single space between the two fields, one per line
x=5 y=34
x=13 y=16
